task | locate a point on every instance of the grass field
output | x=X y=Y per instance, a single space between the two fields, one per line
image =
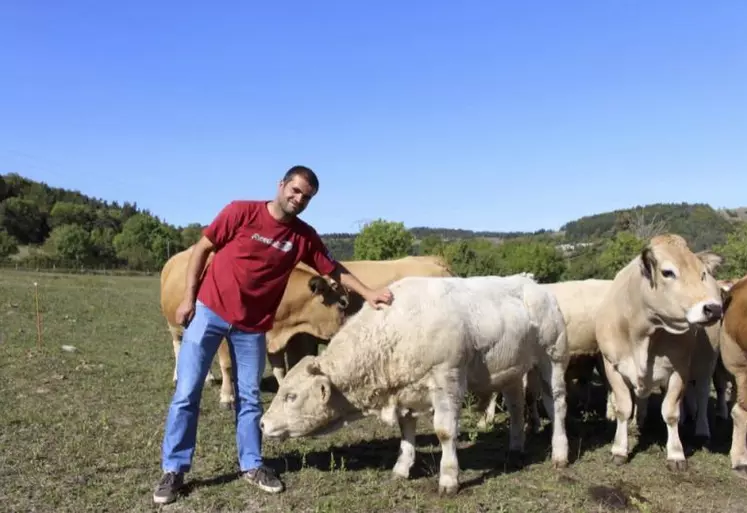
x=81 y=431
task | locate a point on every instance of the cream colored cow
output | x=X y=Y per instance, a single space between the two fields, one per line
x=439 y=339
x=645 y=331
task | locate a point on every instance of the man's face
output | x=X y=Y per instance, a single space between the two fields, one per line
x=294 y=195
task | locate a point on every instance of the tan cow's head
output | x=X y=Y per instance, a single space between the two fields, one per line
x=330 y=293
x=306 y=403
x=680 y=289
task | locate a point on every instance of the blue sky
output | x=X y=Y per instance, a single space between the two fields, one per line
x=491 y=115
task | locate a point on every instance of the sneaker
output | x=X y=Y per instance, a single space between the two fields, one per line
x=264 y=478
x=167 y=487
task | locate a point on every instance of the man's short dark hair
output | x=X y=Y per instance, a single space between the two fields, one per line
x=306 y=173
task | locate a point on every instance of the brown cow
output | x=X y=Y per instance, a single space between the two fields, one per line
x=311 y=311
x=733 y=347
x=645 y=331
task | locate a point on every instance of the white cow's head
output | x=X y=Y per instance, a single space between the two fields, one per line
x=679 y=287
x=306 y=403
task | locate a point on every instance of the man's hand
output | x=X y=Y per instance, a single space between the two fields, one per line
x=185 y=311
x=376 y=297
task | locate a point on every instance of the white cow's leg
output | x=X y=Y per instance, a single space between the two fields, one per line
x=670 y=412
x=560 y=410
x=227 y=398
x=407 y=426
x=447 y=397
x=623 y=409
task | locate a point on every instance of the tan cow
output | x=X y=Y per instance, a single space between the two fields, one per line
x=310 y=302
x=733 y=346
x=312 y=308
x=644 y=329
x=294 y=341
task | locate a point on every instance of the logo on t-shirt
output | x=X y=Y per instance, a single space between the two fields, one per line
x=284 y=245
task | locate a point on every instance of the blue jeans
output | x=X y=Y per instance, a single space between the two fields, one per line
x=200 y=342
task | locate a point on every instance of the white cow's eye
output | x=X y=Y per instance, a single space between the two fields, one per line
x=668 y=273
x=290 y=397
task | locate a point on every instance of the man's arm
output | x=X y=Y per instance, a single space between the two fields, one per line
x=195 y=267
x=319 y=258
x=342 y=275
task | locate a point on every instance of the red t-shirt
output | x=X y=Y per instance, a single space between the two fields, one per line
x=254 y=257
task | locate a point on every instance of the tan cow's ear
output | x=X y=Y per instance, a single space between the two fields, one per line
x=318 y=285
x=648 y=265
x=711 y=260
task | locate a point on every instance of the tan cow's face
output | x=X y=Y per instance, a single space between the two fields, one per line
x=680 y=288
x=305 y=404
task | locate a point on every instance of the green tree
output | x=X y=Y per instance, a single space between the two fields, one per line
x=145 y=242
x=618 y=252
x=383 y=240
x=540 y=258
x=191 y=234
x=64 y=212
x=8 y=244
x=23 y=220
x=70 y=242
x=431 y=245
x=734 y=252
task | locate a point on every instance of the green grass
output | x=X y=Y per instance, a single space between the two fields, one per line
x=81 y=431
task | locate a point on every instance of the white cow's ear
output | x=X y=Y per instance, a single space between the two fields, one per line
x=313 y=368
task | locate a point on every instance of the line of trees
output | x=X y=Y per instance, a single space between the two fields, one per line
x=43 y=226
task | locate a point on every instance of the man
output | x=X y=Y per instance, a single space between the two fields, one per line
x=257 y=244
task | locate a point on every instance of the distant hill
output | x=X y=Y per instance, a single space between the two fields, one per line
x=30 y=211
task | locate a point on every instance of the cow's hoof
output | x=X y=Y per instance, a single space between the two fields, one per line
x=515 y=459
x=558 y=464
x=448 y=490
x=677 y=465
x=400 y=472
x=740 y=471
x=227 y=405
x=618 y=459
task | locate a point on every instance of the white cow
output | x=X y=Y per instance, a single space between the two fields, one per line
x=440 y=338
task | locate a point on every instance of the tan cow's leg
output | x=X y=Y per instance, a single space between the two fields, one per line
x=227 y=398
x=738 y=451
x=487 y=406
x=176 y=341
x=623 y=409
x=447 y=397
x=300 y=346
x=407 y=426
x=277 y=362
x=670 y=412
